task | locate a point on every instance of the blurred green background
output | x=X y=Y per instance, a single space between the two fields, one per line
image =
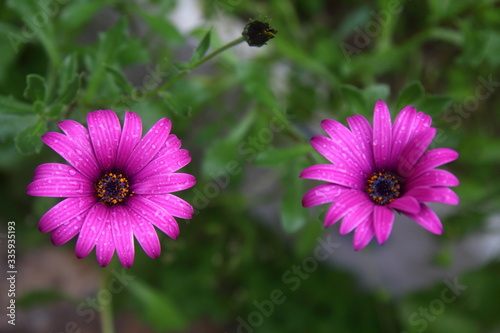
x=251 y=259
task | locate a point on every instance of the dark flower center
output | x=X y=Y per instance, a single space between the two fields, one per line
x=383 y=187
x=112 y=188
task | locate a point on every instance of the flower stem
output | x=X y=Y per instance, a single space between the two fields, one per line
x=192 y=66
x=107 y=325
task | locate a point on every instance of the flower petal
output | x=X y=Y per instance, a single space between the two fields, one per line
x=155 y=214
x=165 y=164
x=105 y=247
x=413 y=151
x=427 y=219
x=66 y=231
x=363 y=233
x=130 y=137
x=383 y=219
x=174 y=205
x=64 y=211
x=401 y=133
x=406 y=204
x=432 y=159
x=91 y=229
x=382 y=135
x=145 y=234
x=71 y=151
x=77 y=133
x=326 y=147
x=323 y=194
x=172 y=143
x=164 y=184
x=60 y=187
x=362 y=130
x=343 y=205
x=105 y=131
x=331 y=173
x=123 y=236
x=49 y=170
x=349 y=144
x=148 y=147
x=355 y=217
x=434 y=194
x=435 y=177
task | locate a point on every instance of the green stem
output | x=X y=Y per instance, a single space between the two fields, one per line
x=209 y=56
x=107 y=325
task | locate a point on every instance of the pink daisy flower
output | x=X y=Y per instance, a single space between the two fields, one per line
x=376 y=171
x=118 y=185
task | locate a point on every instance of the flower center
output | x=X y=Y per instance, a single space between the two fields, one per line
x=383 y=187
x=112 y=188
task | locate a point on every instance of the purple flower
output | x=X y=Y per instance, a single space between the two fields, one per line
x=375 y=172
x=118 y=185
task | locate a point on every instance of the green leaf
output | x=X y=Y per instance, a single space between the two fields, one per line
x=175 y=105
x=354 y=99
x=69 y=94
x=28 y=140
x=293 y=215
x=411 y=94
x=163 y=27
x=10 y=105
x=156 y=307
x=35 y=88
x=201 y=49
x=12 y=124
x=120 y=79
x=39 y=107
x=434 y=105
x=375 y=93
x=68 y=72
x=274 y=157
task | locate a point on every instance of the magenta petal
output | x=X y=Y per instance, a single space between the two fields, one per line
x=333 y=174
x=123 y=236
x=427 y=219
x=145 y=234
x=401 y=133
x=435 y=177
x=64 y=212
x=174 y=205
x=422 y=122
x=343 y=205
x=166 y=164
x=76 y=132
x=326 y=147
x=91 y=229
x=362 y=130
x=432 y=159
x=67 y=230
x=105 y=247
x=413 y=151
x=155 y=214
x=345 y=140
x=148 y=147
x=60 y=187
x=382 y=135
x=355 y=217
x=406 y=204
x=323 y=194
x=383 y=219
x=434 y=194
x=363 y=233
x=105 y=131
x=49 y=170
x=165 y=184
x=73 y=152
x=172 y=143
x=130 y=137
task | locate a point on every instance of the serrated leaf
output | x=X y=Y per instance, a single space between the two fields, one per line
x=201 y=49
x=28 y=140
x=175 y=105
x=354 y=99
x=157 y=308
x=120 y=79
x=69 y=94
x=274 y=157
x=411 y=94
x=293 y=215
x=10 y=105
x=35 y=88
